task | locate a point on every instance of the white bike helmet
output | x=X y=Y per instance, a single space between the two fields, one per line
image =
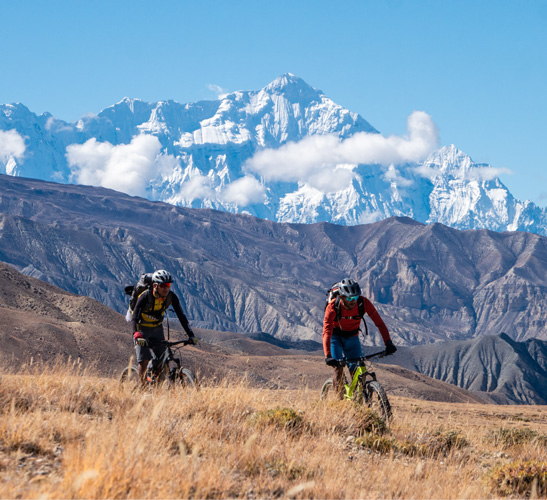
x=349 y=288
x=162 y=276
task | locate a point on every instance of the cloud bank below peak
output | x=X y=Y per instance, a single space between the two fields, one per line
x=12 y=145
x=124 y=167
x=314 y=159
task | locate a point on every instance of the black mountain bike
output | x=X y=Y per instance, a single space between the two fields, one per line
x=364 y=388
x=165 y=369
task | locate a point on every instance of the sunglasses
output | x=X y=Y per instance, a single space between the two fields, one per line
x=164 y=285
x=352 y=299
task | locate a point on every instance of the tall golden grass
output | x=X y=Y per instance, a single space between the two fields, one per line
x=66 y=433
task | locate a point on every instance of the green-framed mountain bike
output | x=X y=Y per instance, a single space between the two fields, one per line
x=363 y=389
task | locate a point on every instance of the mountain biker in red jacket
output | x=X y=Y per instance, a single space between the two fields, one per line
x=147 y=319
x=341 y=329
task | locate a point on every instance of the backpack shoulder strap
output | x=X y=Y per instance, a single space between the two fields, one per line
x=168 y=301
x=150 y=300
x=362 y=312
x=361 y=306
x=337 y=307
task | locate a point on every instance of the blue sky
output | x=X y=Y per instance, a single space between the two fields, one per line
x=478 y=68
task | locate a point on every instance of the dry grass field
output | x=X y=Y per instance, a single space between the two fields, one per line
x=65 y=433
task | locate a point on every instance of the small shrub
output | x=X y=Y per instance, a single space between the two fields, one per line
x=518 y=478
x=274 y=468
x=281 y=468
x=368 y=420
x=511 y=437
x=383 y=444
x=442 y=442
x=431 y=445
x=28 y=447
x=280 y=418
x=363 y=420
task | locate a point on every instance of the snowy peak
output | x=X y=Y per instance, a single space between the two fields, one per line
x=134 y=110
x=9 y=110
x=449 y=159
x=293 y=88
x=18 y=114
x=286 y=152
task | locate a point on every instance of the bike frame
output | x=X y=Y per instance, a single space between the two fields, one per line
x=360 y=372
x=167 y=355
x=350 y=388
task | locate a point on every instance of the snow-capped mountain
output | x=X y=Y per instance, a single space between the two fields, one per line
x=286 y=153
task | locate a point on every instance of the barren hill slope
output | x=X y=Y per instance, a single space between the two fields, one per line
x=41 y=321
x=511 y=372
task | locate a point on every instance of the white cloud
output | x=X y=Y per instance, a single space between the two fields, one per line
x=244 y=191
x=54 y=125
x=315 y=159
x=369 y=217
x=198 y=187
x=428 y=172
x=126 y=167
x=485 y=173
x=217 y=90
x=331 y=180
x=469 y=173
x=11 y=145
x=393 y=175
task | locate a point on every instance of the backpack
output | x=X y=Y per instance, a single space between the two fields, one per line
x=333 y=294
x=144 y=283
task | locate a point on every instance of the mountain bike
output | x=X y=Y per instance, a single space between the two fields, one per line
x=164 y=369
x=364 y=388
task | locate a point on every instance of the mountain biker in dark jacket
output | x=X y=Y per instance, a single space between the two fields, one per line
x=341 y=329
x=147 y=319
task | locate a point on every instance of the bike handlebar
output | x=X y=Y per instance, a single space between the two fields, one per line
x=380 y=354
x=344 y=362
x=168 y=343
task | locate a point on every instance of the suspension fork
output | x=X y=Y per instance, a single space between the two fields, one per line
x=357 y=374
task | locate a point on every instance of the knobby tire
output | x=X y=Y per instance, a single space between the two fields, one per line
x=129 y=376
x=327 y=389
x=187 y=379
x=376 y=399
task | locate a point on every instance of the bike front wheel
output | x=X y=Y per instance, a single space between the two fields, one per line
x=186 y=378
x=129 y=377
x=375 y=398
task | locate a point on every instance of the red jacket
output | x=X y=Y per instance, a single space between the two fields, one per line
x=348 y=324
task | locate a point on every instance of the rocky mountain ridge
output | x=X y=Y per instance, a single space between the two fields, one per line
x=510 y=372
x=244 y=274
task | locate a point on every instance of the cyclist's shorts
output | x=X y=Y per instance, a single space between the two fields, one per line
x=145 y=353
x=346 y=347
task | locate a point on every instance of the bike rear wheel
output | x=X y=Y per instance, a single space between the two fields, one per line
x=375 y=398
x=327 y=391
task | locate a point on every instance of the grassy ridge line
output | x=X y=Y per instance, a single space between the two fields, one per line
x=65 y=433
